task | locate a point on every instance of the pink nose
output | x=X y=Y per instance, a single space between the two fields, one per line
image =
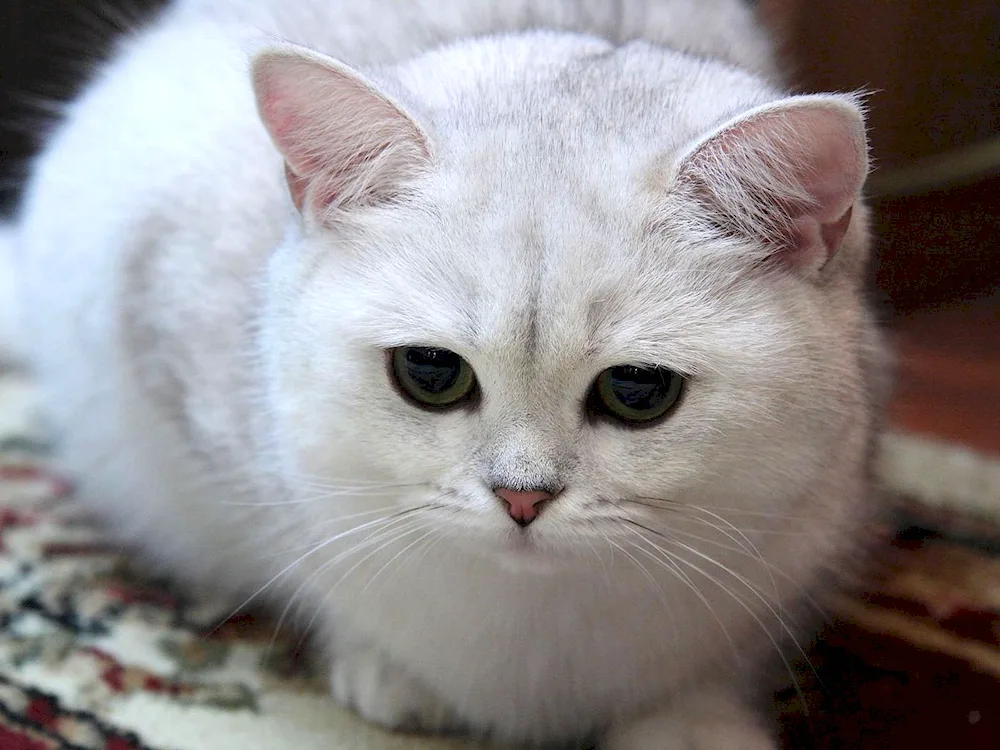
x=522 y=506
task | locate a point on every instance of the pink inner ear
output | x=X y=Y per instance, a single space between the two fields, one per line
x=297 y=186
x=280 y=115
x=834 y=231
x=344 y=143
x=810 y=240
x=788 y=175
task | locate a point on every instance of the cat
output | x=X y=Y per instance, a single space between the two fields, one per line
x=518 y=349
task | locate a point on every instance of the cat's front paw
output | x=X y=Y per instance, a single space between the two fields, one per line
x=384 y=694
x=707 y=722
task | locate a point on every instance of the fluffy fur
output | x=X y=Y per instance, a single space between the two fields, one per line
x=231 y=229
x=11 y=348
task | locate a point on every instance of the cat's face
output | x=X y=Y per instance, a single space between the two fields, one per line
x=556 y=275
x=533 y=303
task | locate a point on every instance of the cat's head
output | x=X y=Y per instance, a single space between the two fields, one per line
x=545 y=290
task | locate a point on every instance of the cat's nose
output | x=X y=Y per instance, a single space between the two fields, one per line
x=522 y=505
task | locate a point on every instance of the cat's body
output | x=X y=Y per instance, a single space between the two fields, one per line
x=215 y=368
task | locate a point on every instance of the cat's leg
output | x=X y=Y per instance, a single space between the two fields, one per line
x=710 y=719
x=363 y=679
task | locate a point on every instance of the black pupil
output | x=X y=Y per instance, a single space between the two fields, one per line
x=434 y=370
x=638 y=388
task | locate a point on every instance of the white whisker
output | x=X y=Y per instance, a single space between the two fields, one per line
x=750 y=547
x=675 y=570
x=331 y=521
x=409 y=529
x=746 y=606
x=371 y=538
x=299 y=560
x=770 y=567
x=395 y=557
x=649 y=576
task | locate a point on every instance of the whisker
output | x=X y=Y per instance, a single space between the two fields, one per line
x=315 y=480
x=742 y=579
x=305 y=500
x=649 y=576
x=322 y=602
x=299 y=560
x=312 y=494
x=754 y=513
x=769 y=567
x=749 y=610
x=663 y=504
x=760 y=623
x=394 y=558
x=329 y=522
x=332 y=490
x=600 y=559
x=319 y=609
x=669 y=565
x=372 y=538
x=750 y=547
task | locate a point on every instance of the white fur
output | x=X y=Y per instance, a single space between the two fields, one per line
x=11 y=346
x=215 y=364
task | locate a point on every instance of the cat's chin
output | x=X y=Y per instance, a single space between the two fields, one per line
x=528 y=551
x=525 y=556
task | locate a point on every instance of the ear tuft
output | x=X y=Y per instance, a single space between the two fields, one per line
x=787 y=173
x=345 y=143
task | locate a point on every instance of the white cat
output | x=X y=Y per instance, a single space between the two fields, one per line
x=517 y=347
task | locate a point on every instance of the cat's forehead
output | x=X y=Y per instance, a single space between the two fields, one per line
x=563 y=278
x=538 y=232
x=551 y=86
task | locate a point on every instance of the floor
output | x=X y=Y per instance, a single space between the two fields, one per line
x=913 y=662
x=949 y=373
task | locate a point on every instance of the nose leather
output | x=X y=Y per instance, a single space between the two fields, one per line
x=522 y=505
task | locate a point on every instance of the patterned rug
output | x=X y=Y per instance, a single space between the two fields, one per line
x=93 y=658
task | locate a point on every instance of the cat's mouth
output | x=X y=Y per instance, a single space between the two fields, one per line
x=520 y=540
x=525 y=553
x=539 y=547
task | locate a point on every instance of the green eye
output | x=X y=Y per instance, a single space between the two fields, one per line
x=635 y=394
x=432 y=377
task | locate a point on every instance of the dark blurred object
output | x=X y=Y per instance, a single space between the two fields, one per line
x=47 y=49
x=949 y=373
x=910 y=660
x=933 y=70
x=939 y=246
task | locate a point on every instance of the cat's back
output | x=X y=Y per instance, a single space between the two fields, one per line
x=375 y=32
x=144 y=225
x=172 y=118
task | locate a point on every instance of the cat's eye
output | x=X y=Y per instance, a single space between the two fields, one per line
x=635 y=394
x=432 y=377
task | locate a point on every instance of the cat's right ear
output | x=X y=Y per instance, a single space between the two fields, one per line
x=786 y=175
x=345 y=143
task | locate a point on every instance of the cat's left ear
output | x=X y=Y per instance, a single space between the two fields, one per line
x=788 y=174
x=346 y=144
